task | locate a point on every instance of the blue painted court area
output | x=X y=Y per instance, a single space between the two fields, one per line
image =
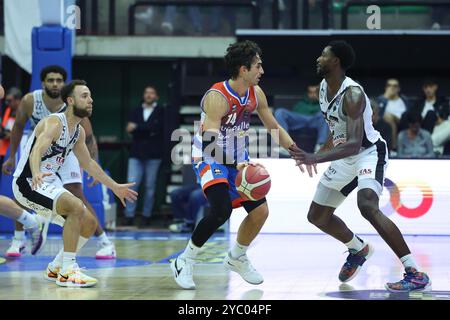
x=30 y=263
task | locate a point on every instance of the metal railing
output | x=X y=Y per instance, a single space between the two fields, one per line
x=385 y=3
x=211 y=3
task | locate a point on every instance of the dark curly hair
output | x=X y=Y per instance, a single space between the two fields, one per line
x=53 y=69
x=344 y=51
x=240 y=54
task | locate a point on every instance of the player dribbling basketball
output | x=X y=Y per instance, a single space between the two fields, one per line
x=220 y=151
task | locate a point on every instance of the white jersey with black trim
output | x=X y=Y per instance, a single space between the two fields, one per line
x=55 y=155
x=337 y=120
x=40 y=110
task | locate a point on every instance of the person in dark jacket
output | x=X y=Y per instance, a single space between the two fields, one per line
x=145 y=125
x=428 y=105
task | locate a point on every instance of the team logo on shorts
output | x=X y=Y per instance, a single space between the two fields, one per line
x=217 y=171
x=74 y=174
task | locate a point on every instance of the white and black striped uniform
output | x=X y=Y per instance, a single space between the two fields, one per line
x=71 y=171
x=43 y=199
x=367 y=168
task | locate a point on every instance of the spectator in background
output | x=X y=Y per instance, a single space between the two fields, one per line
x=305 y=114
x=380 y=125
x=145 y=125
x=171 y=12
x=186 y=202
x=392 y=107
x=414 y=142
x=441 y=132
x=12 y=102
x=428 y=105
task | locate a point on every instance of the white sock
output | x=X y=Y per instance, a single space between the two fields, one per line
x=191 y=251
x=27 y=219
x=103 y=238
x=68 y=259
x=356 y=243
x=19 y=235
x=58 y=261
x=409 y=262
x=238 y=250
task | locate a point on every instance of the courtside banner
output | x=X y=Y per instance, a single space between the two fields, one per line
x=416 y=196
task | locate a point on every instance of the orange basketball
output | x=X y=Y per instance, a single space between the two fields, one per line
x=253 y=182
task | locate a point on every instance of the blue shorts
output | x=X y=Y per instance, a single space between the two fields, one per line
x=214 y=173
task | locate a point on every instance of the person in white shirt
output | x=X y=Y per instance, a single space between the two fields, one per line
x=393 y=107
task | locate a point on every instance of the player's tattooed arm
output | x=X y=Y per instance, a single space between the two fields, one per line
x=354 y=104
x=91 y=142
x=122 y=191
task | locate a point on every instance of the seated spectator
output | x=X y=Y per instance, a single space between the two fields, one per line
x=441 y=132
x=392 y=106
x=414 y=142
x=427 y=106
x=186 y=202
x=305 y=114
x=380 y=125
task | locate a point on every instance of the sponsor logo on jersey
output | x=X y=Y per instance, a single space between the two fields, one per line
x=60 y=160
x=363 y=172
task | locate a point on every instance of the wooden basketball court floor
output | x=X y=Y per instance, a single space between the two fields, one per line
x=294 y=266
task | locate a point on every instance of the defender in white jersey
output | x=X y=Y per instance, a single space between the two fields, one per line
x=36 y=185
x=34 y=107
x=358 y=158
x=35 y=226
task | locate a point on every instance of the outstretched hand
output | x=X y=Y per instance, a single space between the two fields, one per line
x=303 y=158
x=38 y=179
x=123 y=192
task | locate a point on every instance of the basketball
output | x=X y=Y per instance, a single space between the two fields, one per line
x=253 y=182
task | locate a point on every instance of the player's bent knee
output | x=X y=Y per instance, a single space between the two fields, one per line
x=368 y=209
x=70 y=205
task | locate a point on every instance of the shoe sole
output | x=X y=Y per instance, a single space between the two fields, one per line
x=371 y=251
x=105 y=257
x=229 y=267
x=46 y=277
x=75 y=285
x=427 y=288
x=174 y=272
x=13 y=255
x=16 y=254
x=49 y=278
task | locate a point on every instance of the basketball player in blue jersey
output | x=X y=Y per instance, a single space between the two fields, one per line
x=37 y=186
x=35 y=106
x=358 y=158
x=219 y=151
x=36 y=227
